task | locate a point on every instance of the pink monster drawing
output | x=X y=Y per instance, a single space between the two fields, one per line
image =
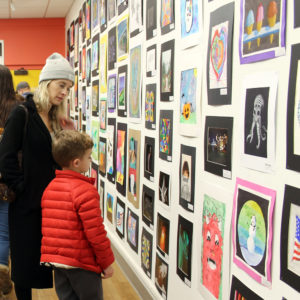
x=212 y=254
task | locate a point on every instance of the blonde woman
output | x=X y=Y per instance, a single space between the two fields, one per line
x=45 y=117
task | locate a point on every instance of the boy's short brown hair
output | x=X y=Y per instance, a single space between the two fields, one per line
x=69 y=145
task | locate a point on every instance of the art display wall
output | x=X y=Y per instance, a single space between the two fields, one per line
x=193 y=107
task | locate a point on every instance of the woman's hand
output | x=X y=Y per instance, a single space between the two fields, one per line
x=66 y=123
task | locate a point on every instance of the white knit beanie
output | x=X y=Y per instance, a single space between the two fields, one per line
x=57 y=67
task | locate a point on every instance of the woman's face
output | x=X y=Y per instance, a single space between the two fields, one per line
x=58 y=90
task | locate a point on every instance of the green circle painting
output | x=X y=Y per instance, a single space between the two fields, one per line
x=252 y=233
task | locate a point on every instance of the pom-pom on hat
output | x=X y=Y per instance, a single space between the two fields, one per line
x=57 y=67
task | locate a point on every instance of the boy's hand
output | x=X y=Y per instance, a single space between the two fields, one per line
x=108 y=272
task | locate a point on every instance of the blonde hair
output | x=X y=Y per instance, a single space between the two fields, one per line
x=42 y=102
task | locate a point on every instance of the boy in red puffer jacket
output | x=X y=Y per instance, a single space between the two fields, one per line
x=74 y=240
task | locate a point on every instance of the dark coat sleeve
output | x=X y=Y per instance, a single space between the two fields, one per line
x=10 y=145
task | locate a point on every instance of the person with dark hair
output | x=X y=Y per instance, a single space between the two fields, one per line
x=46 y=116
x=7 y=102
x=23 y=88
x=77 y=269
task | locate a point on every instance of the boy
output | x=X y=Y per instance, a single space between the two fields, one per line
x=74 y=240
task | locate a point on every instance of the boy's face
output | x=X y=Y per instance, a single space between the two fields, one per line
x=85 y=161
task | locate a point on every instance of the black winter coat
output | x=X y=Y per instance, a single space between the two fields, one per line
x=25 y=213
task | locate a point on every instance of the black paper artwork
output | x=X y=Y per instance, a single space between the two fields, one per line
x=148 y=206
x=149 y=158
x=151 y=19
x=164 y=188
x=162 y=235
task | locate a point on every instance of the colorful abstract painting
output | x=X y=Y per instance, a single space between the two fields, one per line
x=146 y=252
x=109 y=207
x=102 y=156
x=112 y=93
x=95 y=137
x=103 y=64
x=132 y=229
x=122 y=34
x=120 y=217
x=120 y=156
x=103 y=115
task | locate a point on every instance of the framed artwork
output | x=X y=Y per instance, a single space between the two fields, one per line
x=102 y=195
x=164 y=188
x=122 y=5
x=102 y=156
x=215 y=242
x=112 y=48
x=296 y=13
x=190 y=17
x=94 y=174
x=120 y=218
x=95 y=14
x=293 y=112
x=190 y=82
x=219 y=56
x=83 y=63
x=83 y=102
x=95 y=137
x=88 y=115
x=262 y=30
x=103 y=64
x=167 y=16
x=95 y=55
x=83 y=21
x=103 y=15
x=72 y=35
x=184 y=249
x=167 y=71
x=95 y=98
x=111 y=9
x=151 y=61
x=134 y=150
x=217 y=145
x=110 y=198
x=136 y=17
x=88 y=22
x=148 y=206
x=88 y=67
x=165 y=134
x=132 y=229
x=252 y=229
x=150 y=106
x=112 y=93
x=76 y=91
x=79 y=64
x=123 y=38
x=161 y=276
x=151 y=19
x=290 y=238
x=103 y=115
x=121 y=158
x=76 y=42
x=259 y=93
x=187 y=177
x=149 y=150
x=162 y=235
x=111 y=150
x=135 y=84
x=122 y=91
x=241 y=291
x=146 y=252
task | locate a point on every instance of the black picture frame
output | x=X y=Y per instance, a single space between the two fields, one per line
x=291 y=201
x=146 y=252
x=161 y=278
x=102 y=196
x=148 y=200
x=151 y=19
x=111 y=175
x=95 y=98
x=167 y=89
x=221 y=96
x=104 y=25
x=165 y=154
x=296 y=13
x=88 y=67
x=88 y=20
x=101 y=171
x=120 y=205
x=95 y=47
x=171 y=26
x=150 y=73
x=164 y=188
x=132 y=233
x=122 y=6
x=149 y=158
x=217 y=154
x=150 y=106
x=292 y=159
x=112 y=49
x=187 y=194
x=121 y=188
x=122 y=72
x=162 y=235
x=137 y=31
x=238 y=288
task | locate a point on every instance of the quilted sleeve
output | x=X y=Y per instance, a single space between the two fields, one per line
x=88 y=207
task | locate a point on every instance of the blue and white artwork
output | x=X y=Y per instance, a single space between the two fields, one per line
x=189 y=11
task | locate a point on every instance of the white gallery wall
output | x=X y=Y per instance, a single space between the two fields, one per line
x=222 y=188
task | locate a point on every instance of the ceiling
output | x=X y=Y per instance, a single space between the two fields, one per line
x=19 y=9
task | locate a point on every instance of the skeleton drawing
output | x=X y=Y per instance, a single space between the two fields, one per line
x=256 y=121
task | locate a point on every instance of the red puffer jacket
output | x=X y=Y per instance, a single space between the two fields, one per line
x=72 y=226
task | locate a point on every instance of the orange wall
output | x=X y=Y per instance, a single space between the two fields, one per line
x=28 y=42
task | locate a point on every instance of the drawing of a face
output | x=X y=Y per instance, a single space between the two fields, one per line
x=188 y=15
x=212 y=254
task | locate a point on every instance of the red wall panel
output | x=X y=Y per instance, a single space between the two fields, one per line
x=28 y=42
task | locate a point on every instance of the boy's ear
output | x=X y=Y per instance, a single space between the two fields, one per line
x=76 y=162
